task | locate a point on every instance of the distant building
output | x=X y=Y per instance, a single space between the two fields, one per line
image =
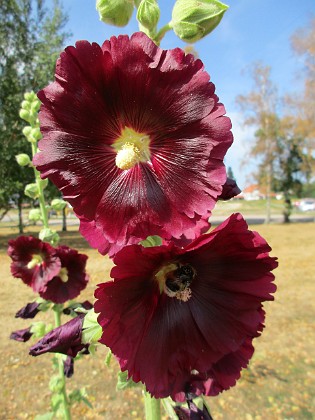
x=252 y=192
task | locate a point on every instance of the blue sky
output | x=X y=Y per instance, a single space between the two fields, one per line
x=251 y=30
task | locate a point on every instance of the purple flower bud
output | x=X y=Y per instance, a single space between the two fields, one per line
x=29 y=311
x=21 y=335
x=68 y=367
x=65 y=339
x=230 y=190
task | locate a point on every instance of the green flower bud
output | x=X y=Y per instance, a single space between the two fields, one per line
x=36 y=133
x=58 y=204
x=194 y=19
x=35 y=105
x=31 y=190
x=25 y=115
x=34 y=215
x=30 y=96
x=148 y=14
x=48 y=235
x=26 y=105
x=27 y=131
x=23 y=159
x=115 y=12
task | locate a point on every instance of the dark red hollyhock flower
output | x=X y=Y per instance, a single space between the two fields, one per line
x=196 y=309
x=71 y=279
x=65 y=339
x=68 y=367
x=28 y=311
x=21 y=335
x=134 y=137
x=33 y=261
x=192 y=412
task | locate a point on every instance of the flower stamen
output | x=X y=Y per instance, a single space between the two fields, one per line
x=36 y=260
x=131 y=148
x=63 y=274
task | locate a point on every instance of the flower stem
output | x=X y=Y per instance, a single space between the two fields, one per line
x=63 y=391
x=152 y=407
x=160 y=35
x=41 y=197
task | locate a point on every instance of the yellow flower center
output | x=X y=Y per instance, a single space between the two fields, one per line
x=63 y=275
x=131 y=148
x=36 y=260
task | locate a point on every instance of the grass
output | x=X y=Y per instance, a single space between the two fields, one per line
x=280 y=380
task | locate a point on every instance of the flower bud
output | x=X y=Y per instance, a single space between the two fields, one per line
x=48 y=235
x=23 y=159
x=27 y=131
x=194 y=19
x=30 y=96
x=58 y=204
x=36 y=134
x=148 y=14
x=31 y=190
x=25 y=115
x=34 y=215
x=115 y=12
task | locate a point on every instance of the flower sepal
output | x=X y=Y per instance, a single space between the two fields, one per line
x=31 y=190
x=39 y=329
x=49 y=235
x=92 y=331
x=123 y=382
x=153 y=240
x=58 y=204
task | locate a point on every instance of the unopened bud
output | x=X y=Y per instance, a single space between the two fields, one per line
x=30 y=96
x=58 y=204
x=23 y=159
x=148 y=14
x=31 y=190
x=25 y=115
x=34 y=215
x=115 y=12
x=194 y=19
x=44 y=183
x=27 y=131
x=48 y=235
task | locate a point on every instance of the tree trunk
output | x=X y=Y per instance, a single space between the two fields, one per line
x=19 y=203
x=64 y=220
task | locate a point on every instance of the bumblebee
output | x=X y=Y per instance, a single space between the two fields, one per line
x=181 y=278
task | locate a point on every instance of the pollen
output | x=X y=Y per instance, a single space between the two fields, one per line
x=132 y=148
x=36 y=260
x=63 y=275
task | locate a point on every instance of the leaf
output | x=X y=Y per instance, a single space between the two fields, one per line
x=124 y=383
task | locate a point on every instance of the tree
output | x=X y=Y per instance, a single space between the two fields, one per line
x=259 y=107
x=31 y=38
x=301 y=107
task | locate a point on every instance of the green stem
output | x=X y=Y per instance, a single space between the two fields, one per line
x=63 y=391
x=41 y=197
x=160 y=35
x=169 y=408
x=152 y=407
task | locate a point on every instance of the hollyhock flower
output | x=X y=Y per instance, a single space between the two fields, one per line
x=71 y=279
x=28 y=311
x=196 y=309
x=65 y=339
x=193 y=412
x=33 y=261
x=134 y=137
x=21 y=335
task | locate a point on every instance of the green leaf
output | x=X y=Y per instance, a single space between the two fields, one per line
x=108 y=358
x=92 y=331
x=123 y=382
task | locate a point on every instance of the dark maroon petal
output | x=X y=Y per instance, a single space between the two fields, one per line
x=166 y=95
x=22 y=250
x=230 y=190
x=193 y=412
x=68 y=367
x=65 y=339
x=29 y=311
x=21 y=335
x=68 y=285
x=210 y=332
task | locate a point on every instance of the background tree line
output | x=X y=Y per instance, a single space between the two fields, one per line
x=31 y=38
